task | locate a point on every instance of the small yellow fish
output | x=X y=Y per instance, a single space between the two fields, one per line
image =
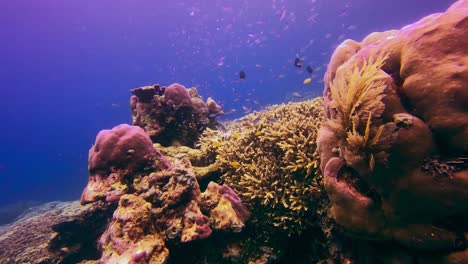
x=234 y=164
x=252 y=167
x=235 y=135
x=307 y=81
x=258 y=133
x=216 y=144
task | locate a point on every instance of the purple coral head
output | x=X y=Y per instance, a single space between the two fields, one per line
x=241 y=210
x=122 y=147
x=213 y=108
x=177 y=96
x=203 y=231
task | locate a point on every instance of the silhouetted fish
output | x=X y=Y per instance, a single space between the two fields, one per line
x=298 y=62
x=242 y=74
x=310 y=69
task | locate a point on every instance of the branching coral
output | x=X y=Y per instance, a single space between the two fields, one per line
x=269 y=158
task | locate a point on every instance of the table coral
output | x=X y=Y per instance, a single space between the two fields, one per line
x=174 y=114
x=393 y=146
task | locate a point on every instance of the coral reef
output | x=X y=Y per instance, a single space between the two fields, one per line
x=375 y=172
x=269 y=158
x=393 y=147
x=159 y=206
x=173 y=115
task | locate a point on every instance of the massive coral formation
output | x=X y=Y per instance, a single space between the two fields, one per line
x=393 y=147
x=117 y=154
x=159 y=204
x=174 y=114
x=269 y=158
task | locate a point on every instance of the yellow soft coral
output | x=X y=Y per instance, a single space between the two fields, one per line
x=357 y=91
x=356 y=98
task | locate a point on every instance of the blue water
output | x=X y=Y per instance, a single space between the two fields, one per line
x=67 y=67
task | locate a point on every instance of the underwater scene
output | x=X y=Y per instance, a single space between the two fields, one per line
x=261 y=131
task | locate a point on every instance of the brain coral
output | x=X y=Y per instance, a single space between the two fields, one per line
x=393 y=147
x=269 y=158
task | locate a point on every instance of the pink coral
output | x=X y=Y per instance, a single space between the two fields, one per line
x=121 y=151
x=227 y=212
x=177 y=96
x=418 y=189
x=173 y=115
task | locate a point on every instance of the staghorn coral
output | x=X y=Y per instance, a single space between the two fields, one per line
x=269 y=158
x=202 y=160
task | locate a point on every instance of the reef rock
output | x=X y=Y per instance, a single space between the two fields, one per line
x=393 y=147
x=174 y=114
x=227 y=212
x=159 y=199
x=131 y=236
x=56 y=232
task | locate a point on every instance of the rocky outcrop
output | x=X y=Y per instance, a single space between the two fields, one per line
x=173 y=115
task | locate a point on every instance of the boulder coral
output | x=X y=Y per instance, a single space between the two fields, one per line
x=117 y=153
x=173 y=115
x=393 y=145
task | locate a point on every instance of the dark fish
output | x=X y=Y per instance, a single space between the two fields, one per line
x=298 y=62
x=310 y=69
x=242 y=74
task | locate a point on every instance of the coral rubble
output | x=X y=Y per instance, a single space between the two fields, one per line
x=393 y=147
